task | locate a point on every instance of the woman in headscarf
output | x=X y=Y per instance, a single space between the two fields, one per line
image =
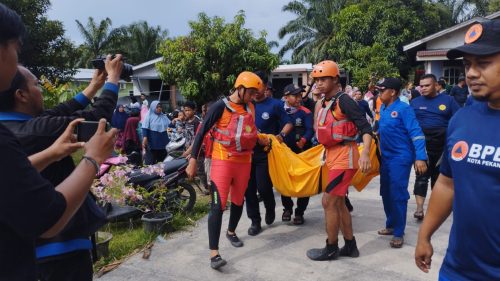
x=131 y=140
x=118 y=121
x=154 y=132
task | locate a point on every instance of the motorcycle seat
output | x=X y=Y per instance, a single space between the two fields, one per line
x=174 y=165
x=137 y=177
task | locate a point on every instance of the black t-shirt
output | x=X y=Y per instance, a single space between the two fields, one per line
x=29 y=206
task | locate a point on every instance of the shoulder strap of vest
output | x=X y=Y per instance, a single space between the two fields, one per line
x=228 y=105
x=231 y=109
x=334 y=103
x=248 y=108
x=325 y=110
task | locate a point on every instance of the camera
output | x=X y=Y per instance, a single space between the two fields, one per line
x=86 y=129
x=127 y=70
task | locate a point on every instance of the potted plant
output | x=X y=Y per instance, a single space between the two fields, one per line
x=102 y=243
x=157 y=217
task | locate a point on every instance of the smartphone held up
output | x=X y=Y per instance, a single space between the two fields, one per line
x=86 y=129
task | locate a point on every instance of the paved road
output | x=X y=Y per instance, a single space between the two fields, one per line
x=278 y=253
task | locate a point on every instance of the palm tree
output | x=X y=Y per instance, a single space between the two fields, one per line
x=98 y=38
x=311 y=31
x=463 y=10
x=142 y=41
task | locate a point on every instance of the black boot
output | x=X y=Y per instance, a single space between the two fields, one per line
x=270 y=216
x=350 y=248
x=329 y=252
x=254 y=229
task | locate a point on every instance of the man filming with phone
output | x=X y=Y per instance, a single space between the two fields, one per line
x=22 y=112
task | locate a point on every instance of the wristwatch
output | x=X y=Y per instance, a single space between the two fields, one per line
x=283 y=135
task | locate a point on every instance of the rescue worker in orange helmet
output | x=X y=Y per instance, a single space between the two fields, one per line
x=231 y=122
x=337 y=121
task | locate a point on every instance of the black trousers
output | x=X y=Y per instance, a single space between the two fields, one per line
x=75 y=267
x=434 y=144
x=302 y=203
x=259 y=181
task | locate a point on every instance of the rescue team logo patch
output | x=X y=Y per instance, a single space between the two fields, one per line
x=248 y=129
x=459 y=151
x=473 y=33
x=442 y=107
x=265 y=115
x=394 y=114
x=484 y=155
x=298 y=122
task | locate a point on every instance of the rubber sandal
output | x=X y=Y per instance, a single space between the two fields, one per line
x=397 y=242
x=298 y=220
x=386 y=231
x=287 y=215
x=419 y=215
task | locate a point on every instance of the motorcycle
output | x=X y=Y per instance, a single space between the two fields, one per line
x=180 y=195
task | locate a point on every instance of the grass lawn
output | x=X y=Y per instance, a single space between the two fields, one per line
x=129 y=237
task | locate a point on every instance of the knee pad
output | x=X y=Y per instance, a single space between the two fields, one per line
x=420 y=187
x=216 y=204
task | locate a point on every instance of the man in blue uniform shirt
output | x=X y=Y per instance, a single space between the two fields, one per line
x=402 y=144
x=460 y=91
x=298 y=140
x=433 y=112
x=469 y=184
x=269 y=117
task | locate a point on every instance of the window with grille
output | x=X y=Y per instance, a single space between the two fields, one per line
x=452 y=73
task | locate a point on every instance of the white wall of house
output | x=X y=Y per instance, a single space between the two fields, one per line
x=434 y=67
x=448 y=41
x=294 y=76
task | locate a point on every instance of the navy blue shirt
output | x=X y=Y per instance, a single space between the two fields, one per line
x=302 y=128
x=472 y=158
x=270 y=116
x=434 y=112
x=460 y=94
x=365 y=107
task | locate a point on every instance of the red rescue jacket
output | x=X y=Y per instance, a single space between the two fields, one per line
x=333 y=126
x=240 y=136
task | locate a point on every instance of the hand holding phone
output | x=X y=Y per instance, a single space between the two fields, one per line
x=86 y=129
x=101 y=143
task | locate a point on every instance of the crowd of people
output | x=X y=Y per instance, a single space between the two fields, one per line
x=47 y=215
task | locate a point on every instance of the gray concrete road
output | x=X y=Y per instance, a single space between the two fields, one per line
x=279 y=252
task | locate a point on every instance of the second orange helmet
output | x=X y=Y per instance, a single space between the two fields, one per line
x=326 y=68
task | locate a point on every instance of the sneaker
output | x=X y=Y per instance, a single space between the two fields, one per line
x=235 y=241
x=329 y=252
x=350 y=249
x=254 y=229
x=287 y=215
x=270 y=216
x=217 y=262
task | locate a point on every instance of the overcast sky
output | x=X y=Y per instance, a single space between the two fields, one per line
x=169 y=14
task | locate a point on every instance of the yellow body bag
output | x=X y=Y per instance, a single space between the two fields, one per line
x=299 y=175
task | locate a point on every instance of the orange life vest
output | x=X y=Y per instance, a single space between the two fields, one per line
x=240 y=136
x=333 y=126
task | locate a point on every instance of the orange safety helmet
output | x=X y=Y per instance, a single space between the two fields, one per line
x=326 y=68
x=249 y=79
